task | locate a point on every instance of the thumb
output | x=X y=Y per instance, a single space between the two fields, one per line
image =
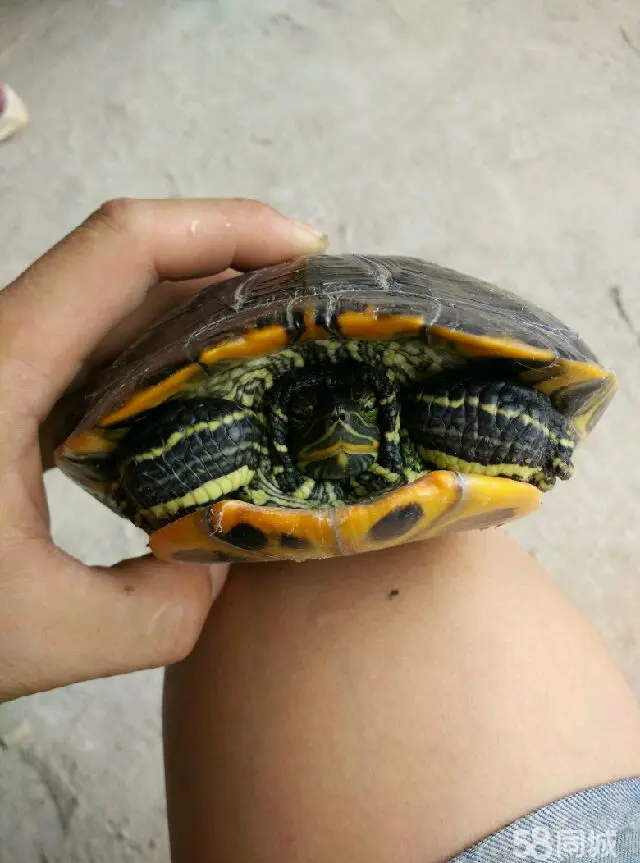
x=81 y=623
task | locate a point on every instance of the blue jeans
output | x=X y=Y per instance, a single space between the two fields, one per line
x=597 y=825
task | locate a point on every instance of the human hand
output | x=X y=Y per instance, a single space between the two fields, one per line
x=73 y=310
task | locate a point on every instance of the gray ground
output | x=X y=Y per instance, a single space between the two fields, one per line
x=500 y=137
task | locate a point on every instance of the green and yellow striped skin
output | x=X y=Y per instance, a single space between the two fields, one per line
x=336 y=405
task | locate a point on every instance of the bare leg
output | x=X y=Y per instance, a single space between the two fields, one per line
x=323 y=717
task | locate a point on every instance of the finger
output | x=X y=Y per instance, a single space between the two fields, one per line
x=56 y=313
x=165 y=296
x=79 y=623
x=68 y=409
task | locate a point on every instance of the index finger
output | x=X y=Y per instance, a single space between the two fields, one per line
x=53 y=315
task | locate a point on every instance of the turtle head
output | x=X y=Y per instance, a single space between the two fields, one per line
x=334 y=430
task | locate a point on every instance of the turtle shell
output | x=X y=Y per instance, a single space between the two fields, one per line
x=463 y=323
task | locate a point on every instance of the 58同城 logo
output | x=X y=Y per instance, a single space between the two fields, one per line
x=541 y=843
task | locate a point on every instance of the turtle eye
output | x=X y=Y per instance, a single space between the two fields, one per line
x=369 y=403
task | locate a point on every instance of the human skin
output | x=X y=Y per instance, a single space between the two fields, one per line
x=74 y=309
x=324 y=717
x=381 y=707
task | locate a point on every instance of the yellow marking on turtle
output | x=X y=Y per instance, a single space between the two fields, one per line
x=209 y=491
x=380 y=470
x=353 y=349
x=446 y=402
x=445 y=461
x=397 y=361
x=87 y=443
x=151 y=396
x=474 y=401
x=590 y=413
x=304 y=491
x=188 y=431
x=312 y=332
x=371 y=325
x=435 y=503
x=429 y=506
x=258 y=496
x=260 y=373
x=204 y=531
x=470 y=345
x=564 y=374
x=339 y=448
x=527 y=419
x=253 y=343
x=393 y=436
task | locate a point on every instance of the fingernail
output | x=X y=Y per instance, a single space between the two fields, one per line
x=309 y=237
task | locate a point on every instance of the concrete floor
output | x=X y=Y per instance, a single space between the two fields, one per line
x=500 y=137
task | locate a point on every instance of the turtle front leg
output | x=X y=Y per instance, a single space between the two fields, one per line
x=185 y=454
x=492 y=427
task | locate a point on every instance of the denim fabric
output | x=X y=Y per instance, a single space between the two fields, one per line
x=598 y=825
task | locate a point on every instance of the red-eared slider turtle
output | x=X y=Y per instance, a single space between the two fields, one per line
x=333 y=405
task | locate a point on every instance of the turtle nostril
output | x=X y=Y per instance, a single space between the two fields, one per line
x=342 y=416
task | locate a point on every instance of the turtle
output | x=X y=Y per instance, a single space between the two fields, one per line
x=333 y=405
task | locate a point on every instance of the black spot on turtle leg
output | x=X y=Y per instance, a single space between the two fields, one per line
x=396 y=523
